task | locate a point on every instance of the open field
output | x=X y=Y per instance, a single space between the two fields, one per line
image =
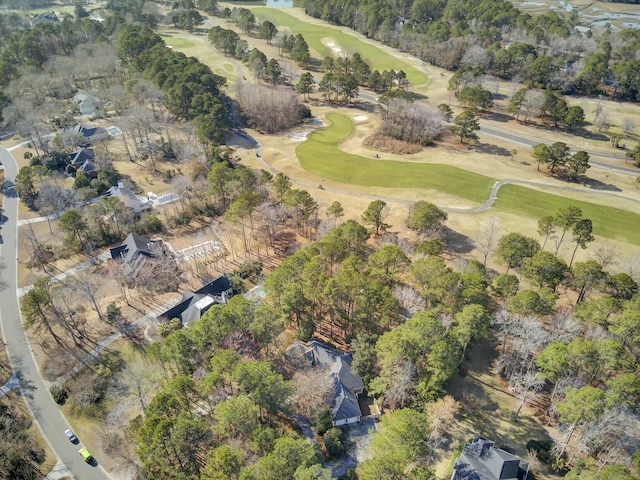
x=318 y=36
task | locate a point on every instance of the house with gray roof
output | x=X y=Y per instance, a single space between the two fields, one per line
x=47 y=17
x=482 y=460
x=130 y=199
x=90 y=133
x=194 y=304
x=347 y=385
x=136 y=251
x=87 y=104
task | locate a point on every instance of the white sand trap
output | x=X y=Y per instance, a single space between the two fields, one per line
x=331 y=44
x=360 y=118
x=299 y=136
x=336 y=49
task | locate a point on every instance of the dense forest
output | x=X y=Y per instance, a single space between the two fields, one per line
x=544 y=51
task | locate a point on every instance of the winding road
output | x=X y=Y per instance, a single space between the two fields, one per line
x=43 y=409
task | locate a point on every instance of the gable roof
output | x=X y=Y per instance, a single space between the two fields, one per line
x=347 y=385
x=81 y=155
x=129 y=198
x=88 y=167
x=482 y=460
x=194 y=304
x=86 y=130
x=132 y=247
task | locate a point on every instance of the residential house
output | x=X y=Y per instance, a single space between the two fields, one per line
x=131 y=200
x=347 y=385
x=87 y=104
x=136 y=251
x=47 y=17
x=482 y=460
x=194 y=304
x=91 y=133
x=81 y=155
x=82 y=160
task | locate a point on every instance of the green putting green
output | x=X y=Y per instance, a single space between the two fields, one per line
x=313 y=34
x=320 y=154
x=608 y=222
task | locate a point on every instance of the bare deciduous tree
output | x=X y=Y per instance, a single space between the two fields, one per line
x=314 y=389
x=412 y=122
x=441 y=416
x=606 y=255
x=487 y=237
x=270 y=109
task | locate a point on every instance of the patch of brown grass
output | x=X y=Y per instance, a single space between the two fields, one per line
x=384 y=143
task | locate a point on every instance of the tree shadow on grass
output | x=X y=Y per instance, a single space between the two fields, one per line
x=457 y=242
x=584 y=133
x=594 y=184
x=490 y=149
x=497 y=117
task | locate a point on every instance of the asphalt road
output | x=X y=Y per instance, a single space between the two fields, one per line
x=45 y=411
x=515 y=137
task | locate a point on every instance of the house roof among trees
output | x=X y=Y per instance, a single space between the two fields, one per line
x=194 y=304
x=81 y=155
x=482 y=460
x=132 y=247
x=88 y=167
x=347 y=385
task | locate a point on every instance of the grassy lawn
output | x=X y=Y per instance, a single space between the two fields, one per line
x=177 y=42
x=608 y=222
x=627 y=111
x=321 y=156
x=314 y=34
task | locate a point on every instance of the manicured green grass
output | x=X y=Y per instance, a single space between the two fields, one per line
x=177 y=42
x=314 y=34
x=608 y=222
x=321 y=156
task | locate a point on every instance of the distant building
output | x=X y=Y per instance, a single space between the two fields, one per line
x=482 y=460
x=48 y=17
x=87 y=104
x=347 y=385
x=194 y=304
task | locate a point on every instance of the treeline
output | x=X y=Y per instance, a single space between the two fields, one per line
x=543 y=51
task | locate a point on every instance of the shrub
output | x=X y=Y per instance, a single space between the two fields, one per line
x=542 y=448
x=249 y=270
x=333 y=442
x=59 y=394
x=323 y=421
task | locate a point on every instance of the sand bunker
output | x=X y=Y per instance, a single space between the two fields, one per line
x=331 y=44
x=336 y=49
x=360 y=118
x=299 y=136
